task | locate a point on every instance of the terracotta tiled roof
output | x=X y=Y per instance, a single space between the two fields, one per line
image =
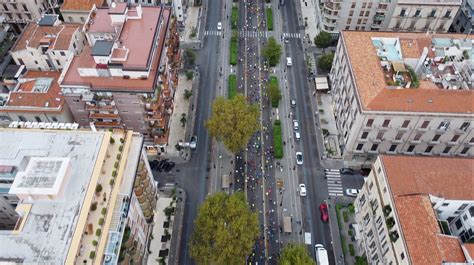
x=450 y=178
x=26 y=100
x=470 y=249
x=60 y=36
x=83 y=5
x=370 y=81
x=425 y=242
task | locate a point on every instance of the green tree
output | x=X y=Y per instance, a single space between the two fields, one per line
x=233 y=121
x=272 y=51
x=189 y=57
x=274 y=92
x=295 y=254
x=325 y=61
x=225 y=230
x=323 y=40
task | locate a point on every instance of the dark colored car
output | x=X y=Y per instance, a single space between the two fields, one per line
x=323 y=208
x=347 y=171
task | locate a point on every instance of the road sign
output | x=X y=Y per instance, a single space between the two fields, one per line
x=307 y=238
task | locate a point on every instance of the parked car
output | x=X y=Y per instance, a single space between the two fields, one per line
x=288 y=61
x=352 y=192
x=347 y=171
x=293 y=103
x=193 y=142
x=219 y=26
x=302 y=189
x=297 y=136
x=296 y=125
x=299 y=158
x=323 y=208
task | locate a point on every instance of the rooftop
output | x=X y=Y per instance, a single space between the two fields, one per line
x=36 y=91
x=80 y=5
x=59 y=37
x=52 y=221
x=445 y=71
x=412 y=180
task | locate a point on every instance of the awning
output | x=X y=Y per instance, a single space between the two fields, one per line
x=398 y=67
x=321 y=83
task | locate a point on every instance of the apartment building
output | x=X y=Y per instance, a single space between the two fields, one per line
x=35 y=98
x=417 y=210
x=77 y=191
x=77 y=11
x=464 y=20
x=127 y=74
x=48 y=45
x=403 y=93
x=18 y=13
x=385 y=15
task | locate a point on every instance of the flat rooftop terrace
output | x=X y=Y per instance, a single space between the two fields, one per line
x=49 y=226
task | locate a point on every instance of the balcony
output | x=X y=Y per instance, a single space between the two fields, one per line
x=390 y=222
x=111 y=124
x=109 y=116
x=394 y=236
x=387 y=209
x=97 y=107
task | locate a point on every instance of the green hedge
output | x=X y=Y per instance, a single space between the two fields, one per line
x=234 y=17
x=269 y=19
x=352 y=250
x=343 y=244
x=346 y=216
x=277 y=140
x=233 y=50
x=232 y=86
x=274 y=92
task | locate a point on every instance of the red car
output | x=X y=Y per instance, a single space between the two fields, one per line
x=323 y=208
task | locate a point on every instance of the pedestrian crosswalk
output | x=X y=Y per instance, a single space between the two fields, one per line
x=292 y=35
x=333 y=177
x=212 y=33
x=253 y=34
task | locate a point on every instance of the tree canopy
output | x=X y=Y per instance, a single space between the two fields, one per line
x=233 y=121
x=225 y=230
x=325 y=61
x=295 y=254
x=323 y=40
x=274 y=92
x=272 y=51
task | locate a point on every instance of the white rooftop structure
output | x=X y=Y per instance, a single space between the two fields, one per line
x=50 y=163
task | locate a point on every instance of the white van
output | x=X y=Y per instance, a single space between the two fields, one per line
x=321 y=254
x=288 y=61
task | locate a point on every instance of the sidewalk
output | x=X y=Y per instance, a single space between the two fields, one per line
x=334 y=227
x=308 y=11
x=189 y=37
x=328 y=126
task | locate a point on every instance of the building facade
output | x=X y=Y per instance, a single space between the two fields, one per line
x=35 y=98
x=20 y=12
x=376 y=15
x=48 y=45
x=464 y=20
x=126 y=77
x=77 y=11
x=406 y=105
x=403 y=205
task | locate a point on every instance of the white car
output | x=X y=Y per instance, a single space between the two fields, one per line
x=297 y=136
x=299 y=158
x=352 y=192
x=293 y=103
x=288 y=61
x=296 y=125
x=302 y=189
x=219 y=26
x=193 y=142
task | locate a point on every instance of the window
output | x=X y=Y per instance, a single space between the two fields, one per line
x=58 y=62
x=403 y=12
x=402 y=255
x=5 y=7
x=385 y=123
x=351 y=13
x=393 y=147
x=83 y=20
x=444 y=125
x=417 y=137
x=458 y=224
x=359 y=147
x=54 y=119
x=399 y=136
x=353 y=5
x=428 y=148
x=369 y=123
x=472 y=140
x=436 y=137
x=349 y=21
x=455 y=138
x=433 y=13
x=38 y=119
x=361 y=13
x=417 y=13
x=364 y=5
x=36 y=62
x=465 y=150
x=380 y=135
x=62 y=53
x=425 y=124
x=445 y=204
x=369 y=5
x=447 y=149
x=464 y=126
x=447 y=14
x=70 y=19
x=362 y=200
x=374 y=147
x=20 y=61
x=405 y=123
x=359 y=21
x=74 y=45
x=28 y=16
x=371 y=185
x=25 y=8
x=463 y=206
x=22 y=118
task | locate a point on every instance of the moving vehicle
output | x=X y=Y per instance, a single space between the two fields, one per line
x=297 y=136
x=193 y=142
x=323 y=208
x=302 y=189
x=321 y=255
x=293 y=103
x=299 y=158
x=352 y=192
x=347 y=171
x=288 y=61
x=219 y=26
x=296 y=125
x=287 y=39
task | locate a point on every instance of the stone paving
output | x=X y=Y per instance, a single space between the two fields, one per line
x=328 y=123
